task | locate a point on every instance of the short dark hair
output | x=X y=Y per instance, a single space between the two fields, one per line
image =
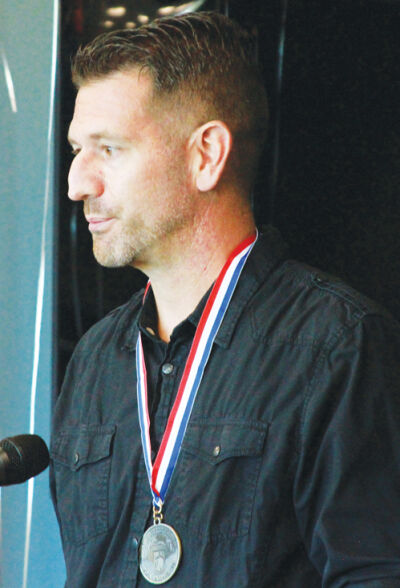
x=201 y=56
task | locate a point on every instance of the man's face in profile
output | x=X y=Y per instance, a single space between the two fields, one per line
x=130 y=169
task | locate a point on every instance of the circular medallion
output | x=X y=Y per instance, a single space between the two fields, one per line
x=160 y=553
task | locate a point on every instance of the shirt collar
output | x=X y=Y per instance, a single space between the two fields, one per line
x=268 y=251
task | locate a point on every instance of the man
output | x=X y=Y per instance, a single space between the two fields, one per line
x=245 y=409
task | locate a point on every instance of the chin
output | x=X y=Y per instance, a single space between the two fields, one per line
x=112 y=259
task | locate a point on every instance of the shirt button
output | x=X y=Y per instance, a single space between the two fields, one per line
x=216 y=450
x=135 y=542
x=167 y=369
x=76 y=458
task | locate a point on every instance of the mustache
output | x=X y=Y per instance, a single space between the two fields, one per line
x=90 y=210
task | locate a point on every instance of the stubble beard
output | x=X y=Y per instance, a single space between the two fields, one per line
x=134 y=245
x=122 y=249
x=137 y=242
x=114 y=253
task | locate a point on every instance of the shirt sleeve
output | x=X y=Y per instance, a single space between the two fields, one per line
x=347 y=488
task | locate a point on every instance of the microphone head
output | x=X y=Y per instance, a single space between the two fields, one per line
x=27 y=456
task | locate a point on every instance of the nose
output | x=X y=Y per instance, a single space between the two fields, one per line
x=84 y=179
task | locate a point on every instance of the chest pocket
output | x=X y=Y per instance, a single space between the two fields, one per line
x=81 y=462
x=217 y=476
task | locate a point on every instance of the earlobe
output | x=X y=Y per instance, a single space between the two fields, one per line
x=212 y=144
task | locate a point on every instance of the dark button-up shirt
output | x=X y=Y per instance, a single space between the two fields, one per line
x=289 y=472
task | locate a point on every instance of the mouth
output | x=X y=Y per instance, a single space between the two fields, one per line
x=99 y=224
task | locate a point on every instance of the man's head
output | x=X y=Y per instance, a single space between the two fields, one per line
x=200 y=62
x=167 y=128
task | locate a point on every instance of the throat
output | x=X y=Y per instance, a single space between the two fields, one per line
x=177 y=299
x=172 y=313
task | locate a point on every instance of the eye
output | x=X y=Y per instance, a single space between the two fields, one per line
x=109 y=150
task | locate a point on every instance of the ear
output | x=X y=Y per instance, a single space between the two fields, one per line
x=211 y=145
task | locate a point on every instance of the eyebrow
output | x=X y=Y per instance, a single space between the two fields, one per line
x=100 y=137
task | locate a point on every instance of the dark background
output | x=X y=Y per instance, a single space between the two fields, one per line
x=330 y=174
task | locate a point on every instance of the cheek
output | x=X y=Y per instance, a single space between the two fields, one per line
x=156 y=179
x=162 y=177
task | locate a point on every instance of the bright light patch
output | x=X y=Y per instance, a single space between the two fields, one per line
x=143 y=18
x=9 y=82
x=116 y=11
x=188 y=7
x=166 y=10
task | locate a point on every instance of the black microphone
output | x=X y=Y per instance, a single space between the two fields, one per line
x=21 y=458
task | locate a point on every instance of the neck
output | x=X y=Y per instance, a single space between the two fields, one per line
x=179 y=285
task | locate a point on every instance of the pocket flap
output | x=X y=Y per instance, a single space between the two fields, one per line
x=218 y=440
x=76 y=447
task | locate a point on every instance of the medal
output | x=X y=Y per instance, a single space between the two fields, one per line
x=160 y=551
x=159 y=565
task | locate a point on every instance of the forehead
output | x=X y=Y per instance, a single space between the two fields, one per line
x=121 y=100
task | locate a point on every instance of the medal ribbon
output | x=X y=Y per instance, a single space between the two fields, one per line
x=161 y=472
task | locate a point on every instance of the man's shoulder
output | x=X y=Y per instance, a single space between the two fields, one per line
x=317 y=285
x=299 y=300
x=301 y=284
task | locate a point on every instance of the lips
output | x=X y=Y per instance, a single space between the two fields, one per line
x=99 y=223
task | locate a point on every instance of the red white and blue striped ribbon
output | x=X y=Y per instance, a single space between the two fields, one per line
x=161 y=472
